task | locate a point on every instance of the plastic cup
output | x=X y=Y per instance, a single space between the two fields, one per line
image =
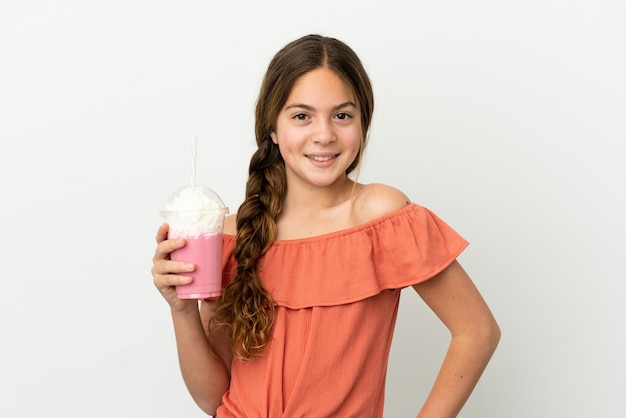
x=196 y=213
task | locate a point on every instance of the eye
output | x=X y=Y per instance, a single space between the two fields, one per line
x=300 y=116
x=343 y=116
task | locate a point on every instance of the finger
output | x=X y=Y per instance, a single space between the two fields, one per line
x=165 y=266
x=164 y=282
x=162 y=232
x=164 y=248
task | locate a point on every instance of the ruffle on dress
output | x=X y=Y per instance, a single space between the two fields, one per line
x=397 y=250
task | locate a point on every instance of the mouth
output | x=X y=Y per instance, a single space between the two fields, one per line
x=322 y=157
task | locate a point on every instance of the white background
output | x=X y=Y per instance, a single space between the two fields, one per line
x=505 y=118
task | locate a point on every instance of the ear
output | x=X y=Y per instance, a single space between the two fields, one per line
x=273 y=135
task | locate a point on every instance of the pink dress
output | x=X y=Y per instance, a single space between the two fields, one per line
x=337 y=300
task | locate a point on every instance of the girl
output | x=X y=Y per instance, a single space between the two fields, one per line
x=314 y=262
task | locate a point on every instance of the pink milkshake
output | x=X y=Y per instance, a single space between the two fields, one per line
x=196 y=214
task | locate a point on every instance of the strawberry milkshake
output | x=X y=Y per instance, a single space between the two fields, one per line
x=196 y=214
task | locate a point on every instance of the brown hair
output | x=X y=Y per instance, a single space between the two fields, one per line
x=245 y=305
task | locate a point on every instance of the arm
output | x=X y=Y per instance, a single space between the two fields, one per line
x=205 y=373
x=475 y=334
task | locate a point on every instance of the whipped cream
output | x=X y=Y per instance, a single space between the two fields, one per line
x=193 y=211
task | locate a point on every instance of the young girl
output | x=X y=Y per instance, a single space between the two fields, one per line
x=314 y=263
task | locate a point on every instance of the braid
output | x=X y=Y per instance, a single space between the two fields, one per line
x=245 y=305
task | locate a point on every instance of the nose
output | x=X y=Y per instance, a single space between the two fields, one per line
x=324 y=133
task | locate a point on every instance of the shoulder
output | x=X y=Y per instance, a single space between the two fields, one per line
x=375 y=200
x=230 y=224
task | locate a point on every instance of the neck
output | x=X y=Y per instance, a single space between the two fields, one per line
x=313 y=199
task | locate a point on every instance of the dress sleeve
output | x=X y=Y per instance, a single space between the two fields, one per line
x=413 y=248
x=229 y=263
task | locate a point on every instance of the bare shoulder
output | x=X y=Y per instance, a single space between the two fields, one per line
x=375 y=200
x=230 y=224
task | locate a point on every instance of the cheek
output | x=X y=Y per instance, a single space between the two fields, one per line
x=290 y=138
x=357 y=142
x=358 y=146
x=355 y=153
x=286 y=146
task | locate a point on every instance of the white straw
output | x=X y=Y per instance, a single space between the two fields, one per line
x=194 y=142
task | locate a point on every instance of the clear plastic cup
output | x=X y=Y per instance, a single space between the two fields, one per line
x=196 y=213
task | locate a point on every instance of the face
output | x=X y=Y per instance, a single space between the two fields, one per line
x=318 y=131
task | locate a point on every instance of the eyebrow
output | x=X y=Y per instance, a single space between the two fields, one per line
x=311 y=108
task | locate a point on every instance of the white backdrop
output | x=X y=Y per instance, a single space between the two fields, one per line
x=505 y=118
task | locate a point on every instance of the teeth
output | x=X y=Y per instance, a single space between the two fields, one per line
x=318 y=158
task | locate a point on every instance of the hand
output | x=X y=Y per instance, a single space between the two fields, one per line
x=167 y=273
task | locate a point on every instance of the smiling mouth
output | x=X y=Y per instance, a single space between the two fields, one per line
x=322 y=158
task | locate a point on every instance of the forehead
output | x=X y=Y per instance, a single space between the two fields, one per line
x=321 y=85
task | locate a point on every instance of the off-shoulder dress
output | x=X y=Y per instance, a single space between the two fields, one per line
x=336 y=299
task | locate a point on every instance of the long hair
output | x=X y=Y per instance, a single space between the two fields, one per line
x=245 y=305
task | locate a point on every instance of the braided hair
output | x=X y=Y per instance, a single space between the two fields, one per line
x=245 y=306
